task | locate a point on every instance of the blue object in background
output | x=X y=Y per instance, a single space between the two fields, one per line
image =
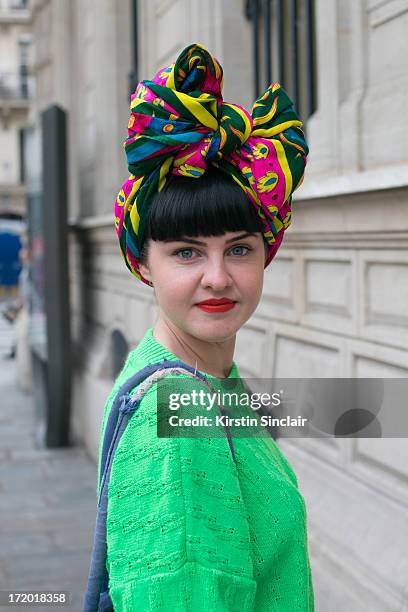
x=10 y=265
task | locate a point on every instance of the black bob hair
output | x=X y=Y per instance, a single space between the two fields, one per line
x=208 y=206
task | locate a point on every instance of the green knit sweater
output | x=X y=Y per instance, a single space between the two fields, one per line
x=190 y=530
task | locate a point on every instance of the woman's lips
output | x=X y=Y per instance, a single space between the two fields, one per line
x=223 y=307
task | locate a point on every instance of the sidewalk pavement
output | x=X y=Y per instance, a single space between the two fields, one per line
x=48 y=501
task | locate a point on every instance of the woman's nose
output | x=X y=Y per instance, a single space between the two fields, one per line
x=216 y=274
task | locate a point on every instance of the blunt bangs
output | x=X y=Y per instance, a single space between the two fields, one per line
x=208 y=206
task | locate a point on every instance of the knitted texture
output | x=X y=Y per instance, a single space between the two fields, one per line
x=190 y=530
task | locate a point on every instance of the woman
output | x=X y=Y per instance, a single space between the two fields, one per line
x=193 y=524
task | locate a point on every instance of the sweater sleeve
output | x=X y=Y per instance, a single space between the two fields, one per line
x=177 y=530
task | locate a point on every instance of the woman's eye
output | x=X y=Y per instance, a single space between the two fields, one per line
x=187 y=253
x=182 y=253
x=237 y=250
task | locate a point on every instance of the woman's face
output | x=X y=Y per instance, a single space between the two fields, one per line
x=186 y=272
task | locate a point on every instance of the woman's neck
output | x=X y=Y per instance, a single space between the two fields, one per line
x=214 y=358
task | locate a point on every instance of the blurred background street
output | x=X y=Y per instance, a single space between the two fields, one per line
x=48 y=499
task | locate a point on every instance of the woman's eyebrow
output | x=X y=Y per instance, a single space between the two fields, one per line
x=193 y=241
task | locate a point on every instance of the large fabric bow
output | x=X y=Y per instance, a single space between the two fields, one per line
x=179 y=124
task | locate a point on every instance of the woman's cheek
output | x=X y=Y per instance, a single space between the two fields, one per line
x=254 y=292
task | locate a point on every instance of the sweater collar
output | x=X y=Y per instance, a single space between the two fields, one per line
x=151 y=350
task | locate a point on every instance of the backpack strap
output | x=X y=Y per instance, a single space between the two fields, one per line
x=97 y=597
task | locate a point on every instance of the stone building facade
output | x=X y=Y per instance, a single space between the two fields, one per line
x=335 y=300
x=15 y=92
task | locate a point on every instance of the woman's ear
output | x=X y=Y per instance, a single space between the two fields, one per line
x=143 y=261
x=144 y=269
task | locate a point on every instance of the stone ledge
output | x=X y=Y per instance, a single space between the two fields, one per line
x=379 y=179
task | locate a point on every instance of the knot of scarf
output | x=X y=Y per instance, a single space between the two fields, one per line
x=179 y=124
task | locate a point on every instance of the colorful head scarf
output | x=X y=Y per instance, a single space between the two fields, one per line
x=179 y=124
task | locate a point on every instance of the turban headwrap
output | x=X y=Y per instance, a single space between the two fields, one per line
x=179 y=124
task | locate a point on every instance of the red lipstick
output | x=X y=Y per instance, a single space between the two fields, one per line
x=213 y=305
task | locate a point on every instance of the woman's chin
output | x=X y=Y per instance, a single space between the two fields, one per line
x=216 y=328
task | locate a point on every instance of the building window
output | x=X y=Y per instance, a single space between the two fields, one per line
x=19 y=4
x=24 y=45
x=134 y=73
x=284 y=49
x=21 y=136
